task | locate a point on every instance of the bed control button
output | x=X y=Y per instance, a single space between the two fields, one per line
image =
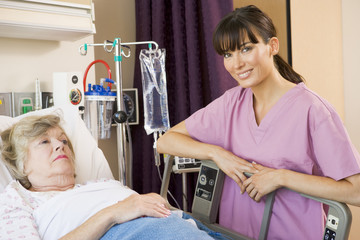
x=211 y=182
x=203 y=179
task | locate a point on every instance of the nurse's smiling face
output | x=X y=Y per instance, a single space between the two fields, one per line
x=252 y=63
x=49 y=163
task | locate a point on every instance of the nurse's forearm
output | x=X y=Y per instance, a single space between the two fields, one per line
x=345 y=190
x=179 y=144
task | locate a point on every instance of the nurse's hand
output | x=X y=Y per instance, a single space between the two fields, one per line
x=263 y=182
x=233 y=166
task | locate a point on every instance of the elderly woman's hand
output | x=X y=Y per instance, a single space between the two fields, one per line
x=134 y=206
x=139 y=205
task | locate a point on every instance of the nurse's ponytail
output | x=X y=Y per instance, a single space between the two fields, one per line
x=287 y=71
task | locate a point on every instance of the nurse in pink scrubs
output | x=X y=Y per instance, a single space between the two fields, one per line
x=271 y=125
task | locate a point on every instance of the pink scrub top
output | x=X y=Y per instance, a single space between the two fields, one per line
x=302 y=132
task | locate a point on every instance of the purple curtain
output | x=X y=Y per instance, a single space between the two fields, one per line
x=195 y=73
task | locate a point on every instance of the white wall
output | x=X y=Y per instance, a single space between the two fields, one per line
x=351 y=61
x=24 y=60
x=351 y=48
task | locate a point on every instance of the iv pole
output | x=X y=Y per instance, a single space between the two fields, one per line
x=125 y=164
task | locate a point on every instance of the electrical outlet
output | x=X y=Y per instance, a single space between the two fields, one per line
x=23 y=102
x=6 y=107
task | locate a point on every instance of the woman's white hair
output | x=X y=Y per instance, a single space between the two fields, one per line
x=16 y=140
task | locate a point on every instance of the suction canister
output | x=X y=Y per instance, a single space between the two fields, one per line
x=99 y=105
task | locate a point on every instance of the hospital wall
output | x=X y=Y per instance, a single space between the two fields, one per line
x=22 y=61
x=325 y=51
x=351 y=66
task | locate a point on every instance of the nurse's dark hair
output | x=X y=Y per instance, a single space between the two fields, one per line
x=244 y=22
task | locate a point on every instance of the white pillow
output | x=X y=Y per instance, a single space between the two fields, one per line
x=90 y=161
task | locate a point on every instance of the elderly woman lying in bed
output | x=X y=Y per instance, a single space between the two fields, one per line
x=44 y=195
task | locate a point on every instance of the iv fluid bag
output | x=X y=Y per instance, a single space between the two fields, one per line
x=154 y=90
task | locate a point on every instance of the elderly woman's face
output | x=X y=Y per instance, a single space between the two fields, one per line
x=49 y=161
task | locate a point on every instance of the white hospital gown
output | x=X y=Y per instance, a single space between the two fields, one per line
x=37 y=215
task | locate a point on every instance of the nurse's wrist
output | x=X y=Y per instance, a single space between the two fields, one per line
x=282 y=176
x=213 y=152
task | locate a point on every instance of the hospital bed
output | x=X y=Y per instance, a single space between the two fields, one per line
x=207 y=198
x=93 y=165
x=90 y=165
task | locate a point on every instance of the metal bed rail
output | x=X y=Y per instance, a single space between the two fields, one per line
x=207 y=199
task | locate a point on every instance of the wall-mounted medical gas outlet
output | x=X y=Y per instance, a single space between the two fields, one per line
x=6 y=104
x=68 y=90
x=23 y=102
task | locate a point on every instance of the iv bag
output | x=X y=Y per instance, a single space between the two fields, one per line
x=154 y=90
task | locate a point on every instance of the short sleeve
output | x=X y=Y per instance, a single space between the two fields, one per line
x=16 y=220
x=334 y=152
x=206 y=125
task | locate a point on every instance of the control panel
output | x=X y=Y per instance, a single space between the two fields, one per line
x=206 y=183
x=208 y=192
x=332 y=224
x=68 y=90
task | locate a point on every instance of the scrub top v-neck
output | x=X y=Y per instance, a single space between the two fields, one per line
x=302 y=132
x=258 y=130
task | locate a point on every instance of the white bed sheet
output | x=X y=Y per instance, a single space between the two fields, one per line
x=91 y=163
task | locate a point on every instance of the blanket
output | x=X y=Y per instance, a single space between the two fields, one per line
x=172 y=227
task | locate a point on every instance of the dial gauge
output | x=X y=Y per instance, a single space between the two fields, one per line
x=75 y=96
x=129 y=105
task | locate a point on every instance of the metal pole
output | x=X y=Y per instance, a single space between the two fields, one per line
x=124 y=159
x=184 y=190
x=120 y=126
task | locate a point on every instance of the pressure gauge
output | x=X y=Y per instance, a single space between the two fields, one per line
x=129 y=105
x=75 y=96
x=130 y=100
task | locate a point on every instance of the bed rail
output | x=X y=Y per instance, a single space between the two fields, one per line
x=207 y=199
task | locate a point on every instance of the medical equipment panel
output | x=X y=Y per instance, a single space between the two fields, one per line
x=23 y=102
x=6 y=105
x=68 y=90
x=47 y=99
x=183 y=165
x=208 y=192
